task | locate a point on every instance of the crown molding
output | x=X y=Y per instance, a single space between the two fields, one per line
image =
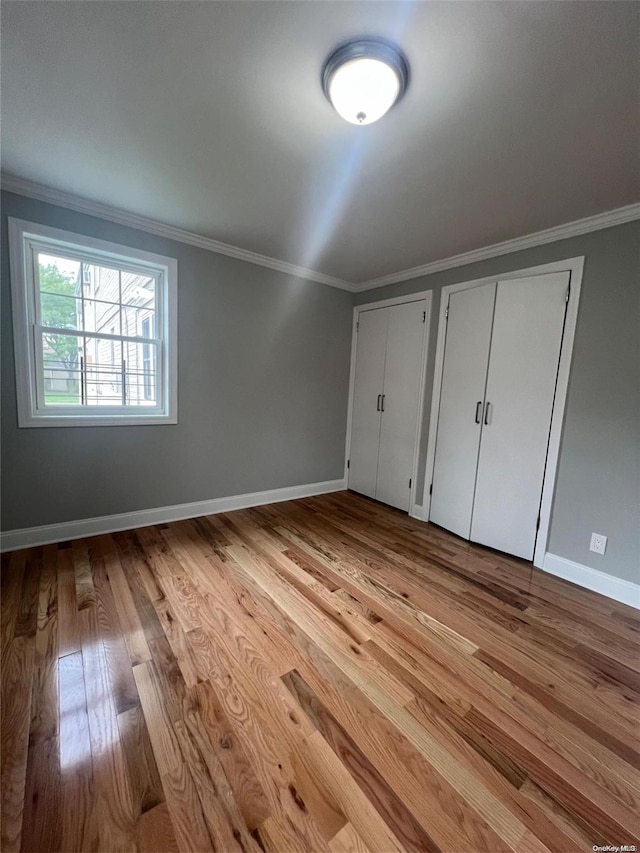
x=560 y=232
x=608 y=219
x=31 y=189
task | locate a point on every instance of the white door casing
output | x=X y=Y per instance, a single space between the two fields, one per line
x=575 y=268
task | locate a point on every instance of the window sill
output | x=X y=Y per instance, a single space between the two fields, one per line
x=95 y=421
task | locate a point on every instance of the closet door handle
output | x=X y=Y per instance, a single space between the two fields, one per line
x=486 y=413
x=382 y=408
x=478 y=411
x=378 y=403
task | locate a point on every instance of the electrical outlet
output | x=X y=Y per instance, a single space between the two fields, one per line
x=598 y=543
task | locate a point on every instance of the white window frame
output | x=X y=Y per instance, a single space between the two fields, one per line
x=24 y=237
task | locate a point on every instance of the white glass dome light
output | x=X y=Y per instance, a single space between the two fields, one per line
x=363 y=79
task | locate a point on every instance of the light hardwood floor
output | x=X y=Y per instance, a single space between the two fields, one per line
x=325 y=674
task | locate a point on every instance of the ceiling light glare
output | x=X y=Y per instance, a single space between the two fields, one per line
x=364 y=79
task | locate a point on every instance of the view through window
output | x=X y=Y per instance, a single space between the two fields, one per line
x=98 y=334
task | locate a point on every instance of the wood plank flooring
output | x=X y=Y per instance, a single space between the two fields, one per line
x=320 y=675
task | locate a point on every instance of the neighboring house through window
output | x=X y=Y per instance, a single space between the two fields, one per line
x=94 y=328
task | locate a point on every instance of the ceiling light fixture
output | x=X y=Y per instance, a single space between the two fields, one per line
x=363 y=79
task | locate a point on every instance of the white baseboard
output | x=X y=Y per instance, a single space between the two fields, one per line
x=12 y=540
x=616 y=588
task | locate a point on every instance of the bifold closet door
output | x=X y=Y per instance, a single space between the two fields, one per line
x=401 y=393
x=367 y=401
x=521 y=383
x=464 y=374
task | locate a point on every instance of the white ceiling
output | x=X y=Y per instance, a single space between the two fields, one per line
x=209 y=116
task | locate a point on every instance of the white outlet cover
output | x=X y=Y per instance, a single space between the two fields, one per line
x=598 y=543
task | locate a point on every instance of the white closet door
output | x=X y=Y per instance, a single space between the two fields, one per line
x=367 y=401
x=464 y=376
x=523 y=367
x=401 y=392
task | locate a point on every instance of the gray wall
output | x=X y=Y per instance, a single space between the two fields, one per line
x=263 y=383
x=263 y=364
x=598 y=482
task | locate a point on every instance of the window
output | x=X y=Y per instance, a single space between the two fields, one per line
x=94 y=329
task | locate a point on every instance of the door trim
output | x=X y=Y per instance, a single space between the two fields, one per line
x=425 y=295
x=575 y=267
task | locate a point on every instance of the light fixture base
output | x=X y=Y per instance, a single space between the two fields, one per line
x=380 y=54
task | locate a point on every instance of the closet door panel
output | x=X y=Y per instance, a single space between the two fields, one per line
x=521 y=382
x=464 y=374
x=369 y=379
x=401 y=391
